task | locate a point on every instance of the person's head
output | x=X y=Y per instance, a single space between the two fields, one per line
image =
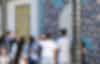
x=20 y=40
x=12 y=35
x=45 y=36
x=7 y=33
x=42 y=37
x=48 y=35
x=82 y=44
x=31 y=39
x=2 y=38
x=63 y=32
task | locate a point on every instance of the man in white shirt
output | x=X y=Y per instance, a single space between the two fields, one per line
x=49 y=50
x=63 y=42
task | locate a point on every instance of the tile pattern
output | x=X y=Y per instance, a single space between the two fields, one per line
x=91 y=28
x=52 y=11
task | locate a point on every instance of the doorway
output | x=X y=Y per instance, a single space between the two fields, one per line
x=22 y=20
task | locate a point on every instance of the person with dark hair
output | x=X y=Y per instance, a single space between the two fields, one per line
x=63 y=32
x=82 y=52
x=2 y=42
x=19 y=43
x=2 y=39
x=33 y=51
x=13 y=51
x=64 y=47
x=87 y=49
x=9 y=39
x=49 y=49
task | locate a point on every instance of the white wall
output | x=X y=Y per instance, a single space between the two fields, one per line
x=11 y=6
x=65 y=19
x=34 y=17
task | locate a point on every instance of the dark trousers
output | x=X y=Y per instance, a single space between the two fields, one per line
x=83 y=59
x=33 y=61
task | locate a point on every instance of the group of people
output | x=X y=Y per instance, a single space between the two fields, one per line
x=42 y=50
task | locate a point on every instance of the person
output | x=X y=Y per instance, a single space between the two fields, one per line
x=64 y=46
x=88 y=48
x=34 y=51
x=13 y=51
x=19 y=43
x=9 y=37
x=82 y=49
x=49 y=49
x=4 y=57
x=2 y=39
x=23 y=60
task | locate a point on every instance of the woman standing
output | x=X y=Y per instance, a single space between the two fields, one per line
x=20 y=42
x=34 y=51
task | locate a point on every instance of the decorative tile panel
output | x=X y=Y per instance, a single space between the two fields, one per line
x=52 y=9
x=91 y=27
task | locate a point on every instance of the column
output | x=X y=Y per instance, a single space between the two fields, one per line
x=4 y=15
x=0 y=20
x=78 y=30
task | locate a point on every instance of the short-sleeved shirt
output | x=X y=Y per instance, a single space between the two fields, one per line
x=33 y=50
x=48 y=47
x=64 y=46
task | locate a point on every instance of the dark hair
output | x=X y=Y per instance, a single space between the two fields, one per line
x=19 y=49
x=82 y=44
x=63 y=32
x=2 y=39
x=31 y=39
x=48 y=35
x=7 y=33
x=22 y=39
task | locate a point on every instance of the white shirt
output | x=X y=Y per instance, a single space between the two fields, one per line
x=64 y=49
x=48 y=47
x=4 y=60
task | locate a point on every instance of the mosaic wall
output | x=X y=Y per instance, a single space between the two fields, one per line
x=91 y=27
x=50 y=11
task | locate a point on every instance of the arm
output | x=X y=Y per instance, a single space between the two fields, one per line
x=40 y=51
x=81 y=50
x=55 y=56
